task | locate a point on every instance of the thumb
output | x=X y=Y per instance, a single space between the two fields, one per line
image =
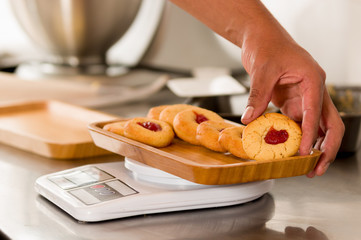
x=259 y=97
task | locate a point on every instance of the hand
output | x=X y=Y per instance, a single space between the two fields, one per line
x=311 y=233
x=284 y=73
x=281 y=71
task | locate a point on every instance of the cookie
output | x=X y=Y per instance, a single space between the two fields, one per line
x=149 y=131
x=231 y=140
x=186 y=122
x=208 y=133
x=271 y=136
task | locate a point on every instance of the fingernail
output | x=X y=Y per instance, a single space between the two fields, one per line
x=311 y=174
x=247 y=113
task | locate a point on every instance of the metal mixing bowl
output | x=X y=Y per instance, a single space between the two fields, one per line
x=76 y=33
x=348 y=102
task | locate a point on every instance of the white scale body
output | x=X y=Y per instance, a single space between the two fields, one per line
x=107 y=191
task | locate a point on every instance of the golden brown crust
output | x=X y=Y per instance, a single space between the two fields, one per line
x=154 y=112
x=116 y=127
x=231 y=140
x=135 y=131
x=185 y=124
x=255 y=132
x=208 y=133
x=168 y=114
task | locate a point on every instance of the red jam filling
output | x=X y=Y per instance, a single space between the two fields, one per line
x=200 y=118
x=150 y=126
x=275 y=137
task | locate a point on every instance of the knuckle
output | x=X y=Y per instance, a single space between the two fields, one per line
x=254 y=93
x=323 y=75
x=255 y=96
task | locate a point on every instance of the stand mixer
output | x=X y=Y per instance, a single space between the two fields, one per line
x=74 y=35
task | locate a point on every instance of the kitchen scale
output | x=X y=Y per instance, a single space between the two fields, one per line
x=107 y=191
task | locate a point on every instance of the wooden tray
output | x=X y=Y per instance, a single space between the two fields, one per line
x=50 y=128
x=200 y=165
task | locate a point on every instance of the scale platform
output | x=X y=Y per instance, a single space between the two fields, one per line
x=107 y=191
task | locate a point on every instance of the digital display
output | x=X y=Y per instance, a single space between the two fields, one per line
x=78 y=178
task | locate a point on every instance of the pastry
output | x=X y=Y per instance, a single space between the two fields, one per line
x=231 y=140
x=154 y=112
x=208 y=133
x=149 y=131
x=168 y=113
x=186 y=122
x=116 y=127
x=271 y=136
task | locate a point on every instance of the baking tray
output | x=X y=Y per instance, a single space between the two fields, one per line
x=50 y=128
x=200 y=165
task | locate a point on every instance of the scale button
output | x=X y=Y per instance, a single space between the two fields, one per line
x=102 y=189
x=84 y=196
x=122 y=188
x=106 y=193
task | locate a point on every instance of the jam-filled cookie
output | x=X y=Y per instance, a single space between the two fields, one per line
x=231 y=140
x=168 y=114
x=186 y=122
x=149 y=131
x=116 y=127
x=208 y=133
x=271 y=136
x=154 y=112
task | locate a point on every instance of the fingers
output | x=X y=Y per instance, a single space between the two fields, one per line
x=312 y=106
x=259 y=97
x=311 y=233
x=334 y=130
x=314 y=234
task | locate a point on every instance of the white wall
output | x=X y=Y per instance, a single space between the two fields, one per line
x=330 y=30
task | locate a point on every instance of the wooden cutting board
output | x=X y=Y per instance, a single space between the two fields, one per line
x=50 y=128
x=200 y=165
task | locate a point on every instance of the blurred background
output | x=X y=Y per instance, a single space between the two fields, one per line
x=112 y=53
x=328 y=29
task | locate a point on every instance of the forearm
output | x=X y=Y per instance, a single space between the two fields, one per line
x=236 y=20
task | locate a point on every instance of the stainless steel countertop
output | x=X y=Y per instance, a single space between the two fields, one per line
x=327 y=207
